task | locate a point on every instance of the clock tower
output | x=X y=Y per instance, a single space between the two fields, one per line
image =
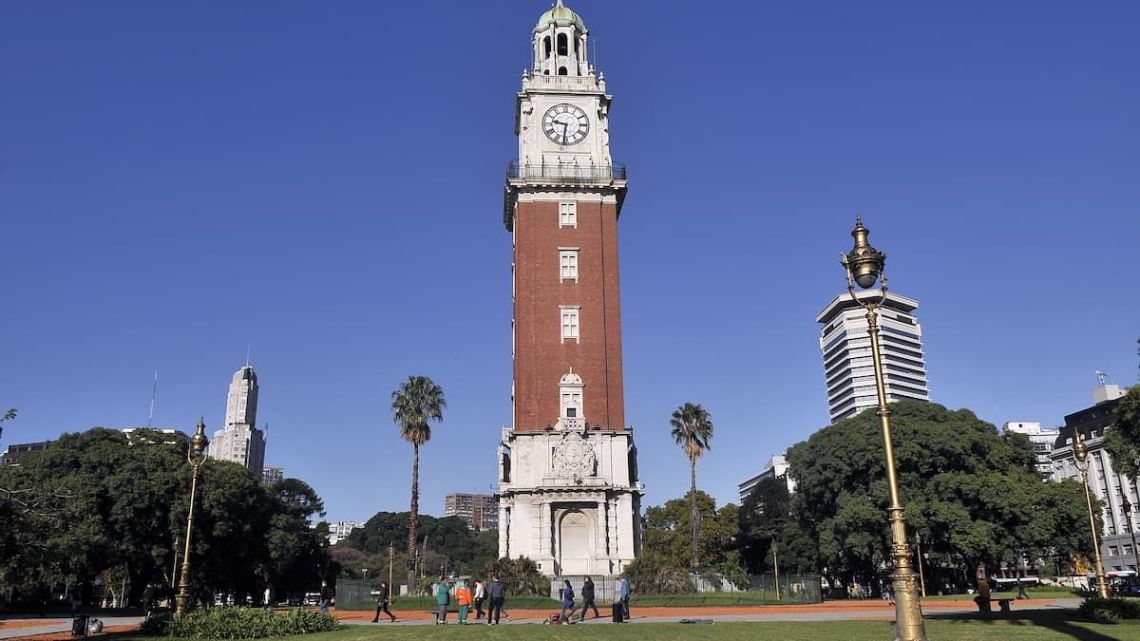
x=569 y=493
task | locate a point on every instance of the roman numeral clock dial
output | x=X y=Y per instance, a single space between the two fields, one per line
x=565 y=124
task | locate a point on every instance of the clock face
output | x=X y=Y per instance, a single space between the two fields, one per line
x=565 y=124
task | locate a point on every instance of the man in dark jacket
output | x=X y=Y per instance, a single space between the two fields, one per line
x=382 y=604
x=498 y=594
x=326 y=597
x=588 y=599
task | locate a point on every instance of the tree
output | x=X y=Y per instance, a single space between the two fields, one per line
x=666 y=551
x=8 y=415
x=101 y=505
x=692 y=430
x=1122 y=440
x=449 y=543
x=974 y=496
x=764 y=516
x=416 y=403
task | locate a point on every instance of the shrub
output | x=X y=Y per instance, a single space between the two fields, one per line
x=240 y=623
x=1109 y=610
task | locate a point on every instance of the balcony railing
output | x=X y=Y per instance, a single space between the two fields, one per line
x=573 y=174
x=576 y=84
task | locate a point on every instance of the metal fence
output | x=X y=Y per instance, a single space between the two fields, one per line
x=354 y=594
x=714 y=589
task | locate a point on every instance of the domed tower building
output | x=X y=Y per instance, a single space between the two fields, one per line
x=569 y=494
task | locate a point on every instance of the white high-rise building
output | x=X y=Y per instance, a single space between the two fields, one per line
x=271 y=474
x=340 y=530
x=777 y=468
x=1042 y=440
x=847 y=364
x=240 y=441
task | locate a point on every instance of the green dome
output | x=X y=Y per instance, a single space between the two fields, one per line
x=562 y=16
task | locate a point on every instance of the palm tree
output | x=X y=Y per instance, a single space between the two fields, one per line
x=415 y=404
x=693 y=429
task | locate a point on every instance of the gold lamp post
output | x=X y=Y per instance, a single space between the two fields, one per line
x=196 y=454
x=1081 y=454
x=865 y=266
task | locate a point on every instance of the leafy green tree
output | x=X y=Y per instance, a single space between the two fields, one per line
x=664 y=564
x=1122 y=440
x=520 y=575
x=450 y=543
x=297 y=554
x=764 y=516
x=416 y=403
x=692 y=430
x=8 y=415
x=974 y=496
x=102 y=505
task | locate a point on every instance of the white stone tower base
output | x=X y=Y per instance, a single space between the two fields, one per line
x=570 y=500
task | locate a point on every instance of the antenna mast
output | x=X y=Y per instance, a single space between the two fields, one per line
x=153 y=394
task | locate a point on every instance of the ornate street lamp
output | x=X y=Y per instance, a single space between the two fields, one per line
x=196 y=454
x=1081 y=454
x=865 y=266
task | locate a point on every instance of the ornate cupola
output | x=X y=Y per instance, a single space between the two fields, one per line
x=560 y=43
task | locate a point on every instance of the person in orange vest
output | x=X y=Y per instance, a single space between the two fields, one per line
x=463 y=598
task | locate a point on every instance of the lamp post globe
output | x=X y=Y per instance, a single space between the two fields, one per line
x=866 y=266
x=1081 y=455
x=195 y=455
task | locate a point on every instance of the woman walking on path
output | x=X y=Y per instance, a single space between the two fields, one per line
x=382 y=604
x=567 y=601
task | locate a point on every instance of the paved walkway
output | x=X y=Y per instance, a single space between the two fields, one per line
x=827 y=611
x=57 y=629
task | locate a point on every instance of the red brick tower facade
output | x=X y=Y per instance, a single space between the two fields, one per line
x=567 y=310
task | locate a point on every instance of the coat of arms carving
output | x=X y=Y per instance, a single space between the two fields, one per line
x=575 y=456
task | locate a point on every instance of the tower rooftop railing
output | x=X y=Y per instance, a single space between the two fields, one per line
x=566 y=174
x=587 y=83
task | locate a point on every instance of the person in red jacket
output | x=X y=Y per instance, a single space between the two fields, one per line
x=463 y=598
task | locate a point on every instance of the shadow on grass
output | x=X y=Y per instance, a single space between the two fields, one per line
x=1059 y=621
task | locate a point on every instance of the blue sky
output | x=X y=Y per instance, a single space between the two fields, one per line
x=324 y=182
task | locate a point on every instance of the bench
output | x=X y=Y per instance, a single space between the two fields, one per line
x=984 y=605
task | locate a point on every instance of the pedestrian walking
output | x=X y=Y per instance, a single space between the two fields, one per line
x=463 y=598
x=382 y=600
x=442 y=598
x=148 y=600
x=623 y=592
x=326 y=597
x=567 y=601
x=588 y=599
x=480 y=597
x=498 y=595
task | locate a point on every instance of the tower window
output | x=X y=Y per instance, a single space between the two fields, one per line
x=568 y=263
x=568 y=214
x=570 y=323
x=563 y=47
x=562 y=71
x=546 y=47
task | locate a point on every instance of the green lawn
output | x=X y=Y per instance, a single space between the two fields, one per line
x=1044 y=628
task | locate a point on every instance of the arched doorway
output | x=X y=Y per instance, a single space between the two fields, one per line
x=574 y=543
